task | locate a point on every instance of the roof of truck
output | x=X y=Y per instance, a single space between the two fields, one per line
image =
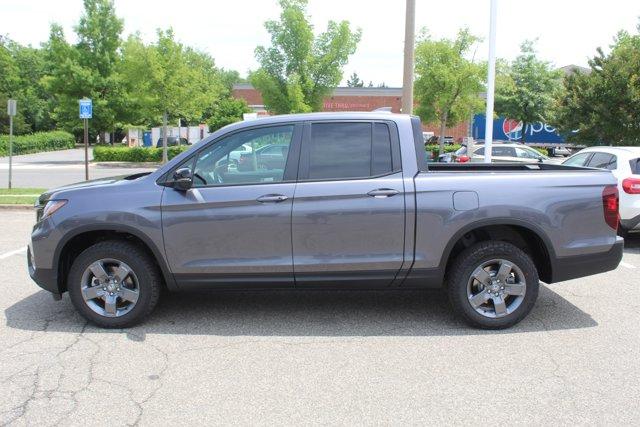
x=347 y=115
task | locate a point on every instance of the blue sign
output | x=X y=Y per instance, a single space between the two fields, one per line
x=86 y=108
x=512 y=130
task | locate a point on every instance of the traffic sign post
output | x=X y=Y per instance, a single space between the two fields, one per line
x=12 y=108
x=86 y=112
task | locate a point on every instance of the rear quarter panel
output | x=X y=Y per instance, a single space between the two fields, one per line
x=564 y=208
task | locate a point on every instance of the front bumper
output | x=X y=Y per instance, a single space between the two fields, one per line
x=573 y=267
x=46 y=278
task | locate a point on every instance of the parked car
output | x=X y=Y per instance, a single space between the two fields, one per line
x=624 y=163
x=272 y=156
x=355 y=206
x=511 y=153
x=559 y=151
x=236 y=153
x=171 y=141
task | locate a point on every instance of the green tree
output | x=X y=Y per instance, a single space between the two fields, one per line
x=526 y=89
x=226 y=111
x=168 y=80
x=603 y=105
x=229 y=78
x=88 y=68
x=448 y=85
x=299 y=69
x=355 y=81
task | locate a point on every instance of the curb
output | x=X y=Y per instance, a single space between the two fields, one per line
x=134 y=165
x=16 y=207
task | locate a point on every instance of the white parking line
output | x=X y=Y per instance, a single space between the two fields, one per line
x=12 y=253
x=627 y=265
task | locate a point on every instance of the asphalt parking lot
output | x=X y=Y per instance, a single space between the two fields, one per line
x=319 y=357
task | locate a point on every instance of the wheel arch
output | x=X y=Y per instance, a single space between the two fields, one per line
x=83 y=237
x=523 y=234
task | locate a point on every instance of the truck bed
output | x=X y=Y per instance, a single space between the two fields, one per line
x=497 y=167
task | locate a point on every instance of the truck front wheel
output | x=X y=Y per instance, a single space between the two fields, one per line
x=493 y=285
x=114 y=284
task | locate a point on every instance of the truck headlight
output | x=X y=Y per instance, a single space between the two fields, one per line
x=51 y=207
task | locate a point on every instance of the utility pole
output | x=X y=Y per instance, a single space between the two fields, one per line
x=11 y=111
x=491 y=82
x=409 y=44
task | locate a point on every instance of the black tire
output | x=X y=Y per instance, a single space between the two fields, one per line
x=149 y=281
x=623 y=232
x=461 y=271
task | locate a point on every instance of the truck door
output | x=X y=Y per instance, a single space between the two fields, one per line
x=233 y=227
x=348 y=217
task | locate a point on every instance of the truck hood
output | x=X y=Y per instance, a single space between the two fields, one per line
x=44 y=197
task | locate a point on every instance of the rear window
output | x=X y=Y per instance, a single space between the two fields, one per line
x=349 y=150
x=635 y=166
x=577 y=160
x=603 y=161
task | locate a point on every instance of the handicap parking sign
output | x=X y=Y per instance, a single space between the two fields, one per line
x=86 y=108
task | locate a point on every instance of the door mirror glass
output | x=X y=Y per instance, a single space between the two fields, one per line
x=182 y=179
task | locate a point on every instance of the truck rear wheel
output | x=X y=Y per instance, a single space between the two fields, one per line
x=114 y=284
x=493 y=285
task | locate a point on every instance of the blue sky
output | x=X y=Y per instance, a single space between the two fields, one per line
x=568 y=31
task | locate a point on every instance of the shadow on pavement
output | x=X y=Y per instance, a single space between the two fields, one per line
x=298 y=313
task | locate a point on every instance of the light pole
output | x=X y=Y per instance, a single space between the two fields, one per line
x=491 y=82
x=11 y=111
x=409 y=42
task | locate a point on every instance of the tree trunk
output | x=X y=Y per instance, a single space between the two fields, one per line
x=164 y=138
x=443 y=129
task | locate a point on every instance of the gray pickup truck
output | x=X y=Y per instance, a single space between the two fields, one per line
x=351 y=203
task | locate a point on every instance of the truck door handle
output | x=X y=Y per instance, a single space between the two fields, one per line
x=382 y=192
x=272 y=198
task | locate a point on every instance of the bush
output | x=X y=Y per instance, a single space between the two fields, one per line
x=435 y=148
x=134 y=154
x=37 y=142
x=542 y=150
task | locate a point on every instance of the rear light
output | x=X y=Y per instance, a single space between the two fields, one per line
x=463 y=159
x=631 y=185
x=610 y=204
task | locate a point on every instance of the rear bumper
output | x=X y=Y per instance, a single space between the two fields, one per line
x=573 y=267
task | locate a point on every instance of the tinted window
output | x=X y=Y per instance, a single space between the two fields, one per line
x=503 y=151
x=603 y=161
x=349 y=150
x=381 y=150
x=527 y=153
x=577 y=160
x=497 y=151
x=216 y=165
x=635 y=166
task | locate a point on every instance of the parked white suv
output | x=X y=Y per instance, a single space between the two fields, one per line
x=624 y=163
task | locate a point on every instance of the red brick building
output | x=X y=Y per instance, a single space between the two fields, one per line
x=352 y=99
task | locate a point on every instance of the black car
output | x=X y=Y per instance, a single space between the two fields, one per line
x=171 y=141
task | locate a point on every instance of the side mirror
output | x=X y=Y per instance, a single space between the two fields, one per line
x=182 y=179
